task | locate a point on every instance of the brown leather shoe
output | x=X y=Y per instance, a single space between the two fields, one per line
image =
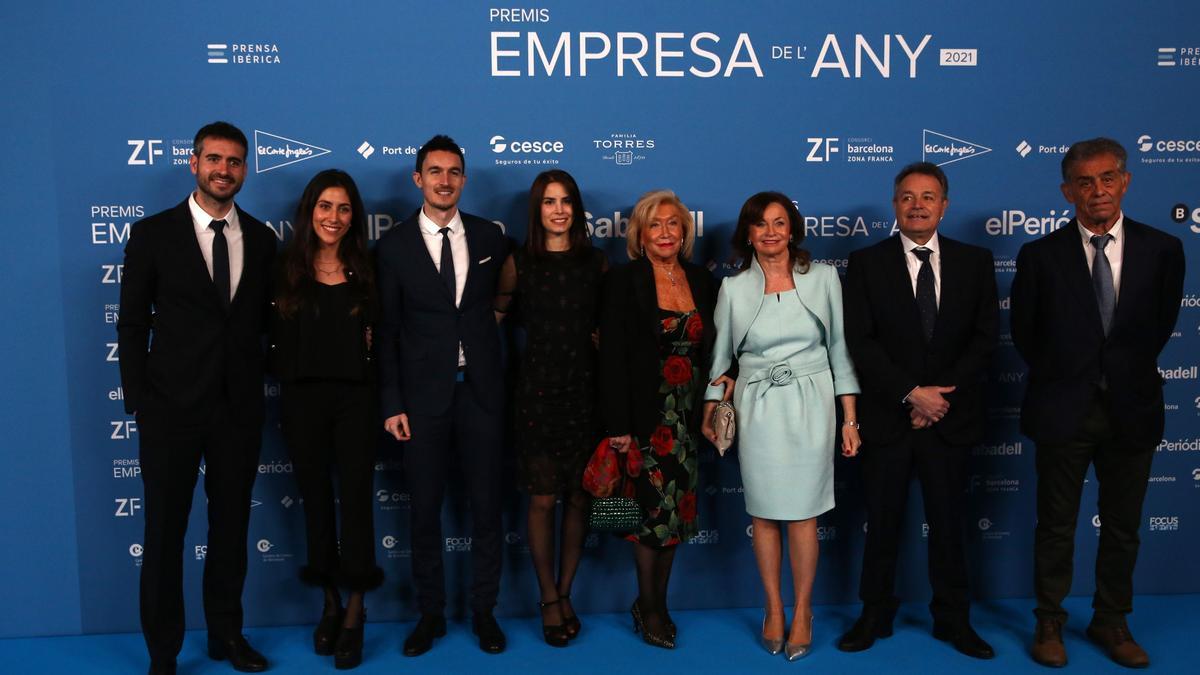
x=1048 y=648
x=1119 y=645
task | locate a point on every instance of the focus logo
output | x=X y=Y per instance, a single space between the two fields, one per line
x=272 y=151
x=1181 y=213
x=942 y=149
x=201 y=551
x=1164 y=523
x=827 y=532
x=705 y=537
x=458 y=544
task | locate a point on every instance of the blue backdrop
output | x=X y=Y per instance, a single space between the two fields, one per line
x=824 y=101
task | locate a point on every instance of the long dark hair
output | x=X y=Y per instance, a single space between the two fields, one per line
x=577 y=236
x=296 y=277
x=752 y=212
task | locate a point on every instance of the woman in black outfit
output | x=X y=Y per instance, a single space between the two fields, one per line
x=656 y=337
x=321 y=352
x=555 y=283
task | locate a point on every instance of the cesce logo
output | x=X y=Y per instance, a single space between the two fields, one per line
x=499 y=145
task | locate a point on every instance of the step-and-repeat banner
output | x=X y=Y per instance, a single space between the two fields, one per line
x=824 y=101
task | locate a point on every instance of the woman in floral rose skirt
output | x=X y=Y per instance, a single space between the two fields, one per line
x=655 y=336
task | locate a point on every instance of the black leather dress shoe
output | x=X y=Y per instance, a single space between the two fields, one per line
x=325 y=635
x=863 y=633
x=964 y=638
x=240 y=654
x=420 y=640
x=162 y=668
x=491 y=638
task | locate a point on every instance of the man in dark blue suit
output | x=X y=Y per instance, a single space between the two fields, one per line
x=1093 y=305
x=443 y=382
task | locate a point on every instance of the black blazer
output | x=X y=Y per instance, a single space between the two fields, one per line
x=420 y=328
x=891 y=356
x=630 y=374
x=1056 y=327
x=288 y=334
x=180 y=350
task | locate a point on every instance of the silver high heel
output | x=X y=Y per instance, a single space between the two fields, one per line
x=773 y=647
x=796 y=652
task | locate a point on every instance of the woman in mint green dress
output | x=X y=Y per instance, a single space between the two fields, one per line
x=781 y=318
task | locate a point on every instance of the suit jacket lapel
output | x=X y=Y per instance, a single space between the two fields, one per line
x=416 y=244
x=249 y=256
x=950 y=286
x=646 y=296
x=1075 y=271
x=1132 y=271
x=901 y=282
x=472 y=246
x=196 y=266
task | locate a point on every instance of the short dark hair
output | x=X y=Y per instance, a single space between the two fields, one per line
x=752 y=212
x=577 y=236
x=440 y=142
x=1084 y=150
x=925 y=169
x=220 y=130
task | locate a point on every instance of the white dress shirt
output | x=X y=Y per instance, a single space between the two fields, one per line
x=233 y=239
x=458 y=249
x=914 y=263
x=1115 y=251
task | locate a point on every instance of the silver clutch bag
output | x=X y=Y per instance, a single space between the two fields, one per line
x=724 y=422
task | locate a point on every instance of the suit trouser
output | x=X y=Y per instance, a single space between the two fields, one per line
x=1122 y=472
x=169 y=453
x=331 y=428
x=941 y=470
x=473 y=434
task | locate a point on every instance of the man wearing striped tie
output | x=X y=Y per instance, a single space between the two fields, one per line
x=1093 y=305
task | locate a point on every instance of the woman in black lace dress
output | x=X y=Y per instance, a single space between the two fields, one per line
x=554 y=281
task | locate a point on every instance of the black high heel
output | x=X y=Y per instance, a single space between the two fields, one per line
x=347 y=653
x=555 y=635
x=571 y=624
x=648 y=636
x=326 y=633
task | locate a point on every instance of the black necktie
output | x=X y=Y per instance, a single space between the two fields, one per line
x=926 y=294
x=447 y=264
x=220 y=261
x=1102 y=281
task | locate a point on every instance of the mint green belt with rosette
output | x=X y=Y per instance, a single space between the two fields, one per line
x=783 y=373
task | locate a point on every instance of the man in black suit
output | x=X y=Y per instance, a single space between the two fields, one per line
x=921 y=313
x=443 y=382
x=1093 y=305
x=193 y=299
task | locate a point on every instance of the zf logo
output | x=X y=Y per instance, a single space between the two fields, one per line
x=127 y=507
x=1180 y=213
x=123 y=430
x=112 y=352
x=822 y=149
x=112 y=274
x=144 y=151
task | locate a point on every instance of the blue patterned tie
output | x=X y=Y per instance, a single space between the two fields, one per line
x=926 y=293
x=1102 y=281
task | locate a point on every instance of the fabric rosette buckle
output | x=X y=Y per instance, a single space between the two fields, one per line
x=782 y=374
